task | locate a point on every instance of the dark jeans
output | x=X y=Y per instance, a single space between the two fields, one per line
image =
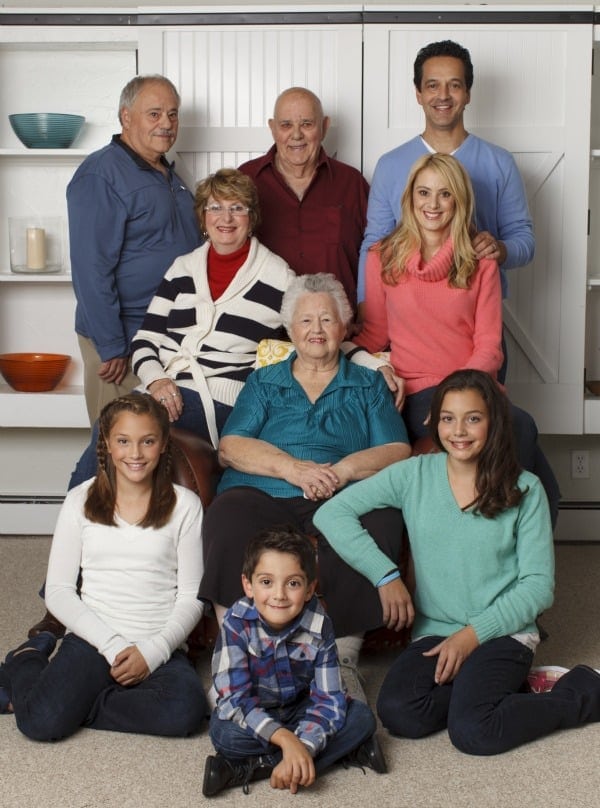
x=235 y=743
x=531 y=457
x=192 y=418
x=483 y=710
x=51 y=700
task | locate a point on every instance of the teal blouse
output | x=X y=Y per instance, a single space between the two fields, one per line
x=355 y=411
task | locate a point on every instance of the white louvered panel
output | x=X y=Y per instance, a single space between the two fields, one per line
x=229 y=79
x=519 y=83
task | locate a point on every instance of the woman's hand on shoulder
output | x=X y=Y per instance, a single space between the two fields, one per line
x=452 y=652
x=395 y=384
x=487 y=246
x=397 y=605
x=129 y=667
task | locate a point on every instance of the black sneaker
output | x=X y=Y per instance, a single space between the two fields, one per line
x=368 y=754
x=220 y=773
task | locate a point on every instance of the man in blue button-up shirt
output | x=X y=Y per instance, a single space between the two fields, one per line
x=130 y=216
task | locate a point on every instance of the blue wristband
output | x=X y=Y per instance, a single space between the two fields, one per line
x=391 y=576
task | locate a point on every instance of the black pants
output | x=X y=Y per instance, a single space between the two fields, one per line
x=238 y=514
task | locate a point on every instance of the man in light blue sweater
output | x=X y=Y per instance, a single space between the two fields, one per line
x=443 y=76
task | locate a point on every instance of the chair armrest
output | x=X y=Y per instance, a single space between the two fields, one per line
x=195 y=464
x=424 y=446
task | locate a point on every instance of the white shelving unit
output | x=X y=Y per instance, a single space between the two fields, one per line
x=591 y=416
x=74 y=69
x=35 y=277
x=62 y=408
x=55 y=154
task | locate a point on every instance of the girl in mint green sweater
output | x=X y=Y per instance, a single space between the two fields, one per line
x=481 y=544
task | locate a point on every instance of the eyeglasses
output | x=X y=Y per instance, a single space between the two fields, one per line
x=234 y=210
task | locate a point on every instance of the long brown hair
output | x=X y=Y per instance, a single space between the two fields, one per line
x=102 y=495
x=498 y=468
x=405 y=239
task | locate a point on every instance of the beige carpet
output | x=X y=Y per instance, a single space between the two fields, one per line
x=97 y=769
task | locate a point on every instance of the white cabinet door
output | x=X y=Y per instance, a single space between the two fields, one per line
x=531 y=95
x=229 y=78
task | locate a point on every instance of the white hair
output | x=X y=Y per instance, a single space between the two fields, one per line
x=322 y=282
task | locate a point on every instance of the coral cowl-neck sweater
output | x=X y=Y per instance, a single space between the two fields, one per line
x=432 y=328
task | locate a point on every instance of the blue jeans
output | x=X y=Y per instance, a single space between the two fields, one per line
x=483 y=710
x=236 y=743
x=192 y=418
x=51 y=700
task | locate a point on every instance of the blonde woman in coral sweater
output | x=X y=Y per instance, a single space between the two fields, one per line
x=437 y=307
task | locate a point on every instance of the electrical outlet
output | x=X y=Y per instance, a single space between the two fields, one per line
x=580 y=464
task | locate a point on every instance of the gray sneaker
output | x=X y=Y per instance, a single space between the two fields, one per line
x=353 y=680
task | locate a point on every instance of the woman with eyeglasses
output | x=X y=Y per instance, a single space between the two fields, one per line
x=198 y=341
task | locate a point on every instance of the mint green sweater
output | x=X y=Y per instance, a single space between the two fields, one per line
x=495 y=574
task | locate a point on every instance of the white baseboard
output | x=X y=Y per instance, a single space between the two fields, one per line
x=578 y=521
x=32 y=518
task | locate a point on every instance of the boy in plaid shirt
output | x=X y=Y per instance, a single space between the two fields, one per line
x=281 y=709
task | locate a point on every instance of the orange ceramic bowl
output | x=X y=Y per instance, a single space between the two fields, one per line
x=33 y=372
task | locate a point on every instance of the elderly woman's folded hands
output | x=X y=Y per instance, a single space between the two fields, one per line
x=317 y=480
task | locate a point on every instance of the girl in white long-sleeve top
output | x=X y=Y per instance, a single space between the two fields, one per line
x=135 y=536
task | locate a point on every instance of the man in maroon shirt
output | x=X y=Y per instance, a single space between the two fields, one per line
x=313 y=208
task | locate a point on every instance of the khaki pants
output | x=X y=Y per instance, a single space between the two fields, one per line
x=98 y=393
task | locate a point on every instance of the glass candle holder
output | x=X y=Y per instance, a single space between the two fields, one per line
x=36 y=244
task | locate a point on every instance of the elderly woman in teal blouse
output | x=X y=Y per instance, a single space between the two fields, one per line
x=300 y=431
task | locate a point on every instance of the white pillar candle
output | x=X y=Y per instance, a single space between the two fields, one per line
x=36 y=248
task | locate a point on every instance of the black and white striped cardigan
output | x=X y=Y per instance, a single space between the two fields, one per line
x=210 y=345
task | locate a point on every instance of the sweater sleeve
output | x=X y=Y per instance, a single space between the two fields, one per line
x=339 y=520
x=533 y=589
x=515 y=227
x=153 y=335
x=487 y=331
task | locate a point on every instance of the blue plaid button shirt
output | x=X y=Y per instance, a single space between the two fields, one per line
x=258 y=673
